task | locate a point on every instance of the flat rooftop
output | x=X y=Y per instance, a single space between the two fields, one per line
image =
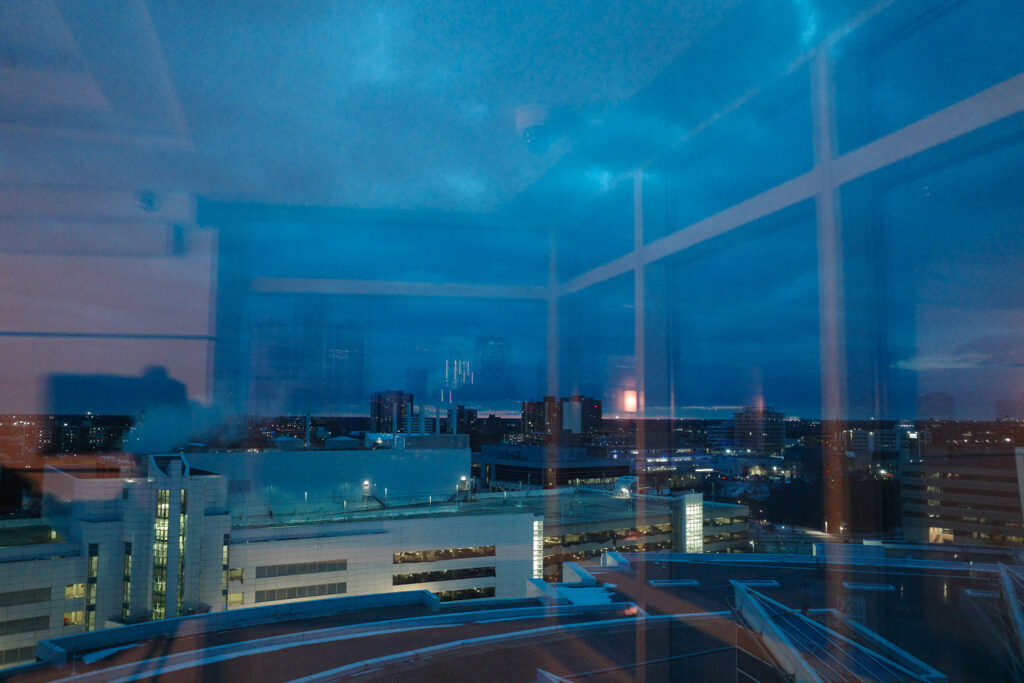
x=560 y=508
x=670 y=616
x=947 y=614
x=238 y=649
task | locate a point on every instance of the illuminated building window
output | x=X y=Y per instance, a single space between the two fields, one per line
x=443 y=554
x=160 y=526
x=538 y=549
x=442 y=575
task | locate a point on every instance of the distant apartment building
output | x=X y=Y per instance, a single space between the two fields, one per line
x=552 y=415
x=759 y=430
x=390 y=411
x=574 y=414
x=533 y=417
x=461 y=420
x=581 y=415
x=964 y=499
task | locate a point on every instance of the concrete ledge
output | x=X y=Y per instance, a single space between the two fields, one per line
x=57 y=651
x=614 y=560
x=784 y=651
x=190 y=660
x=573 y=573
x=546 y=592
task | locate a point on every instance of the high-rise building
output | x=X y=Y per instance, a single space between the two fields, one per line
x=533 y=417
x=464 y=420
x=552 y=415
x=761 y=430
x=390 y=411
x=576 y=415
x=581 y=415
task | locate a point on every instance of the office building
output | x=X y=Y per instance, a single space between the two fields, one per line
x=964 y=499
x=127 y=540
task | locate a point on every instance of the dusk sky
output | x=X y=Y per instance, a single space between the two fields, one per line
x=243 y=194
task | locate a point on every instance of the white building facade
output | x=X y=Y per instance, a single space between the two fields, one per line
x=455 y=556
x=138 y=541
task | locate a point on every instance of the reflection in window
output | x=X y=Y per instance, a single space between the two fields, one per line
x=465 y=594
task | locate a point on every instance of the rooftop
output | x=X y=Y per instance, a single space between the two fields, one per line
x=664 y=616
x=561 y=507
x=316 y=636
x=945 y=613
